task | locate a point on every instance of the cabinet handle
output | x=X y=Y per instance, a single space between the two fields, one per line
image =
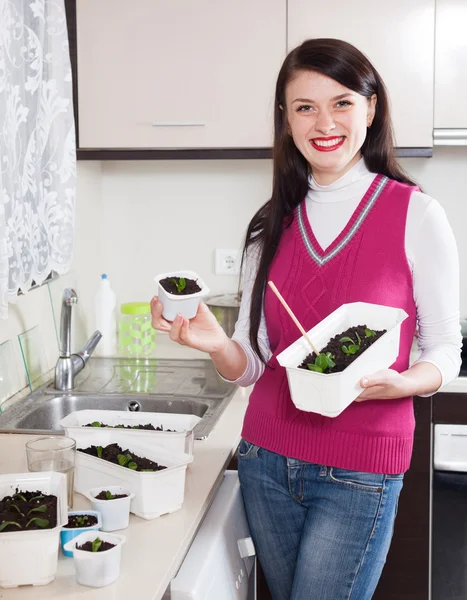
x=177 y=124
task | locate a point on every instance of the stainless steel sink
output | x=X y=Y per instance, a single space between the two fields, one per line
x=150 y=385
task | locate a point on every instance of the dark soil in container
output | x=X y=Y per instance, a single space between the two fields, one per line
x=125 y=458
x=344 y=348
x=28 y=511
x=147 y=426
x=107 y=495
x=180 y=286
x=87 y=546
x=78 y=521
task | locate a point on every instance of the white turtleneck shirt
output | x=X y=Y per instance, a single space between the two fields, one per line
x=431 y=253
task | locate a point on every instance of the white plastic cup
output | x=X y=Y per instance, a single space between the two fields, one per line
x=186 y=305
x=96 y=569
x=115 y=514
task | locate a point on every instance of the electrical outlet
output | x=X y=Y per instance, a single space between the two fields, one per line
x=226 y=262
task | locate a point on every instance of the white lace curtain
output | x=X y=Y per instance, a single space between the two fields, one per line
x=37 y=145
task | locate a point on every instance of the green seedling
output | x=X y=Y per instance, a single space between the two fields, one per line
x=42 y=523
x=5 y=524
x=96 y=544
x=180 y=284
x=132 y=465
x=109 y=495
x=100 y=449
x=36 y=498
x=124 y=459
x=369 y=333
x=352 y=348
x=322 y=362
x=95 y=424
x=39 y=509
x=147 y=471
x=17 y=509
x=81 y=521
x=20 y=497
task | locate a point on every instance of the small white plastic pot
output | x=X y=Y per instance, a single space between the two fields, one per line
x=186 y=305
x=115 y=513
x=96 y=569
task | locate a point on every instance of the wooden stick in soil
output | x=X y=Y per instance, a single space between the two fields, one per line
x=294 y=318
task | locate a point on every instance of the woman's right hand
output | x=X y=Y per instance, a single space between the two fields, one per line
x=202 y=332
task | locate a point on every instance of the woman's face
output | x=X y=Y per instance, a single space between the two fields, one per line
x=328 y=123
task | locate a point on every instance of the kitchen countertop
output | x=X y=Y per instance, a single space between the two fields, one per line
x=156 y=548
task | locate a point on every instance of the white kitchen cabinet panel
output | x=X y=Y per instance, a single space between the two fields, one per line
x=185 y=74
x=451 y=64
x=397 y=37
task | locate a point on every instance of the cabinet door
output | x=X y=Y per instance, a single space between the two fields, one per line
x=185 y=74
x=451 y=64
x=397 y=37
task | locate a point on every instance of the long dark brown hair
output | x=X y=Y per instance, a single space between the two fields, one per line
x=349 y=67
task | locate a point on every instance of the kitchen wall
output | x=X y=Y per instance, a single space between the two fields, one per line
x=136 y=219
x=157 y=216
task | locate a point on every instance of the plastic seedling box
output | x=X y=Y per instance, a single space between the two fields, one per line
x=329 y=394
x=156 y=493
x=68 y=534
x=30 y=557
x=174 y=304
x=181 y=440
x=96 y=569
x=115 y=513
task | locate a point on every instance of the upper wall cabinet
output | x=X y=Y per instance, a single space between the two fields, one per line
x=398 y=38
x=158 y=74
x=451 y=69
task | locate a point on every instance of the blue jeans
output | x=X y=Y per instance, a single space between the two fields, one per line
x=321 y=533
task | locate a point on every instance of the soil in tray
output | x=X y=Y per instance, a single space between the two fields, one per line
x=124 y=458
x=147 y=426
x=344 y=352
x=87 y=546
x=180 y=286
x=28 y=511
x=79 y=521
x=104 y=495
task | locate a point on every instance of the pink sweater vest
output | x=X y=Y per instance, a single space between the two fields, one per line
x=366 y=262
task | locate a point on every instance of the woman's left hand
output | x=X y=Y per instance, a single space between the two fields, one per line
x=384 y=385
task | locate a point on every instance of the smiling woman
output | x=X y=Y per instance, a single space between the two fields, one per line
x=344 y=224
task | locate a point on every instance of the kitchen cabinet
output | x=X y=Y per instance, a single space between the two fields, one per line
x=397 y=37
x=451 y=65
x=406 y=572
x=173 y=75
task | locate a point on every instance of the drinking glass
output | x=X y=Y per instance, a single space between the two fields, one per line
x=54 y=453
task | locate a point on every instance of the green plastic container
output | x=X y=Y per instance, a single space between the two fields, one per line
x=136 y=337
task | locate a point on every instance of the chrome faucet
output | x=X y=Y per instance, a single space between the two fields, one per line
x=68 y=365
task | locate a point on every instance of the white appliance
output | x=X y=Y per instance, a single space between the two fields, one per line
x=221 y=563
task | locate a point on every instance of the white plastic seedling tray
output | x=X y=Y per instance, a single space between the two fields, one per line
x=186 y=305
x=156 y=493
x=329 y=394
x=30 y=557
x=181 y=440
